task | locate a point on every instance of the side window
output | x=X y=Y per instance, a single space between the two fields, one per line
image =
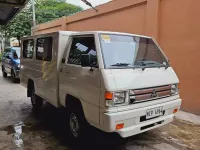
x=15 y=56
x=82 y=45
x=44 y=48
x=28 y=48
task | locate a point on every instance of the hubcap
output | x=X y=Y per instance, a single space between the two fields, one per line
x=74 y=125
x=33 y=98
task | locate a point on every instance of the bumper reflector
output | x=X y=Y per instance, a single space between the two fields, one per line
x=175 y=110
x=119 y=126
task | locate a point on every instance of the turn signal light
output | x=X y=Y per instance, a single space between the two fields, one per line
x=108 y=96
x=175 y=110
x=119 y=126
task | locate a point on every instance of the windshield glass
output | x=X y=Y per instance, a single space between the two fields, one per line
x=16 y=53
x=130 y=51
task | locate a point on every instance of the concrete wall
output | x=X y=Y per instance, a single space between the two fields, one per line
x=174 y=23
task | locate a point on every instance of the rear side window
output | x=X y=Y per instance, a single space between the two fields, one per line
x=44 y=49
x=28 y=48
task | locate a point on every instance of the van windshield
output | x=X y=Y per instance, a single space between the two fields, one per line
x=16 y=52
x=124 y=51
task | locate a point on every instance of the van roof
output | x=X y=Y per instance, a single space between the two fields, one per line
x=87 y=32
x=111 y=32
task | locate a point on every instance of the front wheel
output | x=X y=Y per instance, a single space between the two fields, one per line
x=3 y=72
x=14 y=80
x=77 y=124
x=37 y=102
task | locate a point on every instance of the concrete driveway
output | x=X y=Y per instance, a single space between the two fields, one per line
x=21 y=128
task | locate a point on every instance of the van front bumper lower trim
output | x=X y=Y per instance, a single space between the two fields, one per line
x=132 y=122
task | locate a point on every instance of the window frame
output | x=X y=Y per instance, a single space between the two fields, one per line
x=69 y=48
x=32 y=39
x=36 y=45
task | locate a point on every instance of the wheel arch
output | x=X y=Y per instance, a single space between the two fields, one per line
x=71 y=100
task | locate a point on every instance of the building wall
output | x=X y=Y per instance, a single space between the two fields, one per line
x=179 y=36
x=173 y=23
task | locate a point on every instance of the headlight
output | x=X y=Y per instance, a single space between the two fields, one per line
x=174 y=89
x=116 y=98
x=18 y=65
x=119 y=98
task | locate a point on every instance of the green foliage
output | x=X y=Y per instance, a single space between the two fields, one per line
x=20 y=25
x=46 y=10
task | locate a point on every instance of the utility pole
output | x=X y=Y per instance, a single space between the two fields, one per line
x=89 y=4
x=33 y=8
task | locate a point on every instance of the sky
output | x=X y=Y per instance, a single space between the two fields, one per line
x=84 y=6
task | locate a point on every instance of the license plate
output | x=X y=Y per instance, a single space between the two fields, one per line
x=154 y=112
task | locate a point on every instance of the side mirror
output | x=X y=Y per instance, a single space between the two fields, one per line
x=85 y=60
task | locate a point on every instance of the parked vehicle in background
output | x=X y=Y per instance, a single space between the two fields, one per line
x=116 y=82
x=11 y=63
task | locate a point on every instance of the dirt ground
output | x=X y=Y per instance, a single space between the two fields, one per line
x=23 y=129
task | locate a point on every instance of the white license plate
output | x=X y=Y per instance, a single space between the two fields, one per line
x=154 y=112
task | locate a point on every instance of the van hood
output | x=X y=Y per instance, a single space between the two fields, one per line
x=125 y=79
x=16 y=61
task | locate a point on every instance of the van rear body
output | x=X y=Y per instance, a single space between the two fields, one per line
x=121 y=82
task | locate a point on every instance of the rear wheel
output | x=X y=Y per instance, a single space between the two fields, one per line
x=37 y=102
x=3 y=72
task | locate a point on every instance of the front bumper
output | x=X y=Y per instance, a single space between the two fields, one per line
x=135 y=120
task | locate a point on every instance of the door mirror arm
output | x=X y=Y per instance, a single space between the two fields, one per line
x=93 y=66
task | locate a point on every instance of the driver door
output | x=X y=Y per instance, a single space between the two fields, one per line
x=80 y=81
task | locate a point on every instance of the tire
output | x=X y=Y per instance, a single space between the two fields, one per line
x=37 y=102
x=14 y=79
x=3 y=72
x=77 y=124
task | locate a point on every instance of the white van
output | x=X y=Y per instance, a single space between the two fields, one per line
x=116 y=82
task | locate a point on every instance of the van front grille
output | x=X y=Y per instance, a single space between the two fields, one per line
x=141 y=95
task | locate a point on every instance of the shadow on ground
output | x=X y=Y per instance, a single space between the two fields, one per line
x=54 y=121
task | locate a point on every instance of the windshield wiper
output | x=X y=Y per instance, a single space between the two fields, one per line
x=147 y=64
x=120 y=64
x=154 y=63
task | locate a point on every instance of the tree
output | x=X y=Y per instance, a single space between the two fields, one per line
x=46 y=10
x=20 y=25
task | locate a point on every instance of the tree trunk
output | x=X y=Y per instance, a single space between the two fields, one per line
x=5 y=40
x=18 y=38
